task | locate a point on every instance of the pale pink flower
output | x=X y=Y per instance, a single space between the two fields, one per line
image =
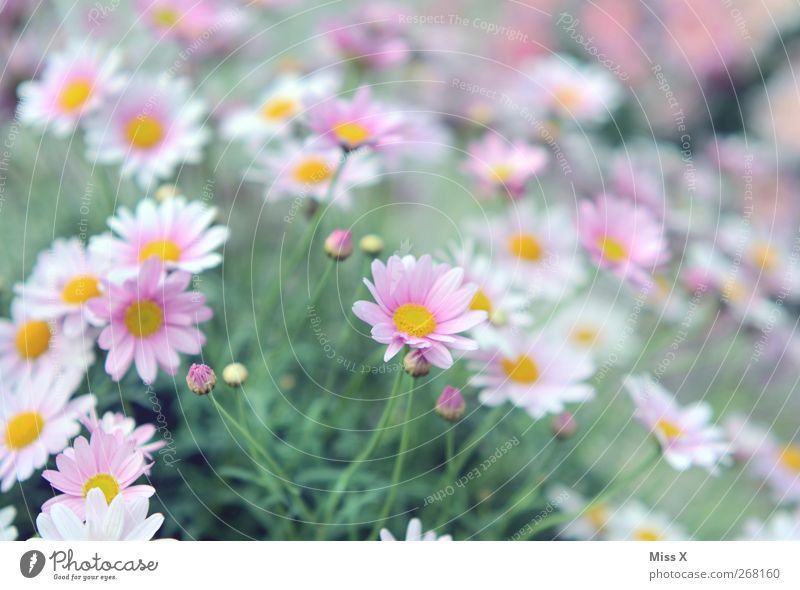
x=151 y=128
x=360 y=122
x=29 y=343
x=140 y=435
x=182 y=19
x=537 y=373
x=176 y=231
x=685 y=434
x=75 y=82
x=504 y=166
x=37 y=419
x=420 y=304
x=118 y=521
x=622 y=237
x=414 y=533
x=151 y=318
x=107 y=461
x=63 y=280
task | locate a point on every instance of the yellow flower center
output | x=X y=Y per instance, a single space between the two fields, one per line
x=647 y=534
x=75 y=94
x=523 y=369
x=278 y=109
x=597 y=516
x=80 y=289
x=732 y=289
x=414 y=320
x=568 y=98
x=585 y=336
x=312 y=171
x=23 y=429
x=481 y=302
x=790 y=457
x=669 y=429
x=166 y=250
x=764 y=256
x=612 y=250
x=527 y=247
x=143 y=319
x=166 y=17
x=144 y=132
x=105 y=482
x=351 y=134
x=33 y=339
x=501 y=172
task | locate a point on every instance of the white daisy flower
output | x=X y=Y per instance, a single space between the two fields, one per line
x=8 y=532
x=414 y=533
x=634 y=522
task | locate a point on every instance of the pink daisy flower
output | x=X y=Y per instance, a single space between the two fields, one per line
x=183 y=19
x=150 y=319
x=622 y=237
x=151 y=128
x=177 y=232
x=422 y=305
x=74 y=82
x=533 y=373
x=500 y=165
x=37 y=419
x=64 y=279
x=29 y=343
x=107 y=462
x=113 y=422
x=685 y=436
x=115 y=521
x=357 y=123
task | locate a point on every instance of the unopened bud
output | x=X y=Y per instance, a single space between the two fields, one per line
x=234 y=374
x=339 y=245
x=450 y=404
x=201 y=379
x=371 y=245
x=415 y=364
x=564 y=425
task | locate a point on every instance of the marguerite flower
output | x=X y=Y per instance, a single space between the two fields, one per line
x=622 y=237
x=308 y=170
x=422 y=305
x=75 y=82
x=589 y=522
x=30 y=343
x=153 y=126
x=185 y=19
x=685 y=436
x=120 y=520
x=64 y=279
x=571 y=91
x=356 y=123
x=8 y=532
x=112 y=422
x=537 y=373
x=150 y=319
x=634 y=522
x=37 y=419
x=503 y=166
x=107 y=462
x=414 y=533
x=176 y=231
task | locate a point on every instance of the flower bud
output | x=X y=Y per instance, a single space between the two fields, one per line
x=450 y=404
x=235 y=374
x=201 y=379
x=371 y=245
x=339 y=245
x=564 y=425
x=415 y=364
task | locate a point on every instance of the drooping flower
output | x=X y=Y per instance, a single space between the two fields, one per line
x=176 y=231
x=574 y=92
x=421 y=304
x=634 y=522
x=37 y=419
x=685 y=435
x=120 y=520
x=622 y=237
x=8 y=532
x=30 y=343
x=534 y=372
x=141 y=435
x=356 y=123
x=74 y=82
x=151 y=318
x=414 y=533
x=108 y=462
x=503 y=166
x=152 y=127
x=63 y=280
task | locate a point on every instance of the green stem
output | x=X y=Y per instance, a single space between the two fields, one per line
x=617 y=484
x=398 y=466
x=369 y=449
